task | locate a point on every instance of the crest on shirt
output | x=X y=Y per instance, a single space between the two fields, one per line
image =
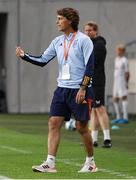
x=75 y=43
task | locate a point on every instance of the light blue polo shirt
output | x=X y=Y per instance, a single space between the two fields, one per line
x=78 y=57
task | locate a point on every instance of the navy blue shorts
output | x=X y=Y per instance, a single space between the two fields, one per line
x=64 y=104
x=99 y=96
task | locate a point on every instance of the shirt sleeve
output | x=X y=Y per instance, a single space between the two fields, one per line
x=45 y=58
x=87 y=48
x=100 y=53
x=89 y=62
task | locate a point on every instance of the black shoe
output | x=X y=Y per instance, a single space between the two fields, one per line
x=95 y=144
x=107 y=143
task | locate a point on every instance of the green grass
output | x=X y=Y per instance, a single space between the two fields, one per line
x=23 y=140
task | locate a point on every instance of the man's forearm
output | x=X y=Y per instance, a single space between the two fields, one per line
x=86 y=82
x=88 y=75
x=36 y=60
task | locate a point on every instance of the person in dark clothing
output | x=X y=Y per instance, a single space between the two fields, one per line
x=99 y=116
x=100 y=56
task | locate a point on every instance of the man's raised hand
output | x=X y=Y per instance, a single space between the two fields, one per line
x=19 y=52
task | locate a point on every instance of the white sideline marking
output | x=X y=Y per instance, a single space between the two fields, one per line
x=112 y=172
x=15 y=149
x=66 y=161
x=4 y=177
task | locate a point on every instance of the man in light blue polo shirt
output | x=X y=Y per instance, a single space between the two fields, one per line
x=74 y=52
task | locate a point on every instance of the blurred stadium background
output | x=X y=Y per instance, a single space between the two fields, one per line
x=25 y=88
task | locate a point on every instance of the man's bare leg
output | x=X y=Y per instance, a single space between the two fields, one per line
x=104 y=123
x=102 y=117
x=83 y=129
x=94 y=126
x=54 y=124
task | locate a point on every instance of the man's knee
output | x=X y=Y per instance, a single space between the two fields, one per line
x=124 y=98
x=101 y=109
x=55 y=123
x=82 y=127
x=115 y=99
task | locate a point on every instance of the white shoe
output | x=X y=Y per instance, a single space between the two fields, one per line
x=88 y=168
x=44 y=167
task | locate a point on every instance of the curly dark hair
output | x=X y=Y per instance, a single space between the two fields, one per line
x=72 y=15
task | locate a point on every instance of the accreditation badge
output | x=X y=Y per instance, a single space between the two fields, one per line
x=65 y=72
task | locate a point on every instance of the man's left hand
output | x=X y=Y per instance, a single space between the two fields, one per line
x=80 y=97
